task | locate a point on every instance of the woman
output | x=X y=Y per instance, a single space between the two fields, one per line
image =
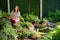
x=15 y=16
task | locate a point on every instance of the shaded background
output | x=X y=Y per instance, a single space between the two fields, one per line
x=31 y=5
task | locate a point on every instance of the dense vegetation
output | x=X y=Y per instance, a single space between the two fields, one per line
x=8 y=32
x=54 y=16
x=30 y=27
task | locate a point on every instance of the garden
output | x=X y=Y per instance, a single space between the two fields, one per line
x=39 y=20
x=30 y=27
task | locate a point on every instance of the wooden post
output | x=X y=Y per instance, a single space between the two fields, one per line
x=8 y=4
x=41 y=9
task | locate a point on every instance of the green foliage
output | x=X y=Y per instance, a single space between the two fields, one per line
x=3 y=36
x=4 y=22
x=8 y=34
x=28 y=24
x=21 y=19
x=31 y=18
x=27 y=33
x=53 y=35
x=46 y=37
x=56 y=33
x=54 y=16
x=4 y=15
x=19 y=28
x=4 y=19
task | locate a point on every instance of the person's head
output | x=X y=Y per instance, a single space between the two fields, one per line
x=16 y=9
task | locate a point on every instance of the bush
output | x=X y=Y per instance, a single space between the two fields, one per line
x=21 y=19
x=56 y=33
x=46 y=37
x=8 y=34
x=4 y=23
x=53 y=35
x=27 y=33
x=31 y=18
x=54 y=16
x=4 y=15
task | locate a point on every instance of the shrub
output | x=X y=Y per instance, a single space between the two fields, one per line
x=54 y=16
x=56 y=33
x=21 y=19
x=46 y=37
x=4 y=15
x=53 y=35
x=31 y=18
x=27 y=33
x=8 y=34
x=4 y=23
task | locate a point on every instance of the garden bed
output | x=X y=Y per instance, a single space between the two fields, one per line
x=30 y=28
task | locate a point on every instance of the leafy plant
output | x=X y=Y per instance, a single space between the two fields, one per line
x=19 y=28
x=56 y=33
x=31 y=18
x=28 y=24
x=46 y=37
x=54 y=16
x=53 y=35
x=8 y=34
x=21 y=19
x=3 y=36
x=27 y=33
x=4 y=22
x=4 y=15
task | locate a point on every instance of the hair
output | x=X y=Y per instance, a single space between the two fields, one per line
x=15 y=7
